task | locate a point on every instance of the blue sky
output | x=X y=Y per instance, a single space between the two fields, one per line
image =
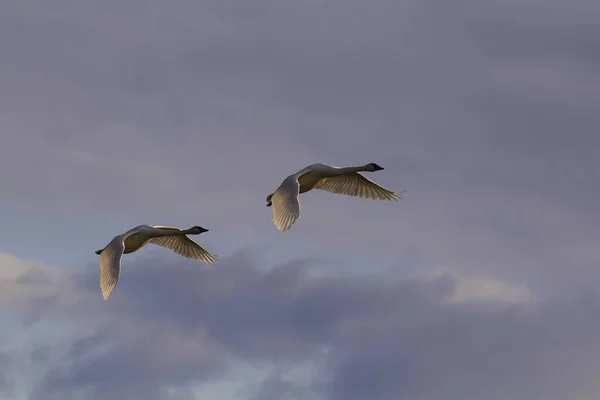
x=480 y=284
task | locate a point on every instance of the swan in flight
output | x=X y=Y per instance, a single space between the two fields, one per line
x=348 y=181
x=136 y=238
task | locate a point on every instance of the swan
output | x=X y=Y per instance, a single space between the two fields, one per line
x=136 y=238
x=347 y=180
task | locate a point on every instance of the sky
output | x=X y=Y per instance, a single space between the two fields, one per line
x=481 y=284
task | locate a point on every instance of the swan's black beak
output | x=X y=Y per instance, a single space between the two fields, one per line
x=377 y=167
x=98 y=251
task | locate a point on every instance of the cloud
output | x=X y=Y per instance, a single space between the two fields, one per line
x=6 y=384
x=23 y=280
x=481 y=289
x=172 y=328
x=144 y=359
x=485 y=111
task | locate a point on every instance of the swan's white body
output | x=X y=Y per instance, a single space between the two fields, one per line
x=347 y=180
x=136 y=238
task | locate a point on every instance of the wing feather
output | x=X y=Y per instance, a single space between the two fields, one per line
x=356 y=184
x=110 y=266
x=184 y=246
x=286 y=206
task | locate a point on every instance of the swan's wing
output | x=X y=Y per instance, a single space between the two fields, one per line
x=183 y=246
x=110 y=265
x=286 y=206
x=356 y=184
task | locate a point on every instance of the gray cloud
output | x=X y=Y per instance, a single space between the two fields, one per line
x=6 y=383
x=485 y=111
x=174 y=325
x=144 y=361
x=282 y=302
x=463 y=353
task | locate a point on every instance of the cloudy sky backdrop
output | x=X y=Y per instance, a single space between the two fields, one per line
x=483 y=284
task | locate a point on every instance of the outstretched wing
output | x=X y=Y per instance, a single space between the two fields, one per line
x=286 y=206
x=356 y=184
x=183 y=246
x=110 y=266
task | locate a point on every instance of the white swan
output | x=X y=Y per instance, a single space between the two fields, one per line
x=348 y=181
x=136 y=238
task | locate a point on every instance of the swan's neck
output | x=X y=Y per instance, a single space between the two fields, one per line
x=176 y=233
x=350 y=170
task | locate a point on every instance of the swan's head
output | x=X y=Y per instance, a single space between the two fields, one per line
x=269 y=204
x=374 y=167
x=196 y=230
